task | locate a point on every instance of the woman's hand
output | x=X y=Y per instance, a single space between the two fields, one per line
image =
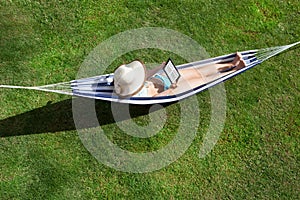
x=167 y=92
x=173 y=85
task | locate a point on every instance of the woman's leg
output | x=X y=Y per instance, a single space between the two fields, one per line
x=190 y=73
x=192 y=77
x=196 y=76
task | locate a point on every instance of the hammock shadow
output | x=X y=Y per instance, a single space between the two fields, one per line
x=58 y=117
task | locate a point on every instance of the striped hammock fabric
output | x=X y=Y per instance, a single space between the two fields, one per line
x=101 y=87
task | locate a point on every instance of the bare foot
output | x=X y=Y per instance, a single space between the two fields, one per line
x=237 y=59
x=241 y=64
x=236 y=64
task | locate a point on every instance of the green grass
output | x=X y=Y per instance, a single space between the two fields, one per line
x=41 y=155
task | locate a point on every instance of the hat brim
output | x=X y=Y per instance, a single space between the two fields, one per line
x=139 y=74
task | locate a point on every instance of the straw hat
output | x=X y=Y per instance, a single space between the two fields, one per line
x=129 y=78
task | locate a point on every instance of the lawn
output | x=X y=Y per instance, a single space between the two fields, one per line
x=42 y=156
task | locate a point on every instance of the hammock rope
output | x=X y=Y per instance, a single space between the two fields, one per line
x=101 y=87
x=264 y=54
x=60 y=88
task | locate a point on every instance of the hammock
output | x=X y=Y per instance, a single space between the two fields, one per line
x=101 y=87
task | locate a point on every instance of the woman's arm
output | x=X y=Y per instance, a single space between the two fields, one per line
x=167 y=92
x=151 y=72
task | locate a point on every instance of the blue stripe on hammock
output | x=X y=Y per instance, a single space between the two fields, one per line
x=96 y=91
x=95 y=86
x=97 y=78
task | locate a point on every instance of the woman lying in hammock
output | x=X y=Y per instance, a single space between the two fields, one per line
x=133 y=80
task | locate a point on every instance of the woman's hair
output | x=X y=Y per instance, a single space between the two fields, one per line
x=158 y=83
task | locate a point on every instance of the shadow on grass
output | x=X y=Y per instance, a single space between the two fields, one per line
x=59 y=117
